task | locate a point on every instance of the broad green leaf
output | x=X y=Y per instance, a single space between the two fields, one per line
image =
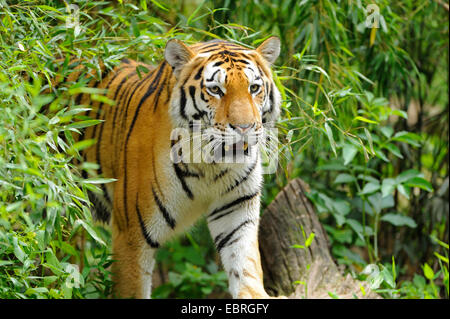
x=341 y=206
x=419 y=182
x=375 y=278
x=404 y=190
x=380 y=202
x=381 y=155
x=428 y=272
x=388 y=186
x=89 y=229
x=387 y=277
x=344 y=178
x=19 y=253
x=407 y=175
x=387 y=131
x=399 y=220
x=394 y=149
x=407 y=137
x=369 y=188
x=348 y=153
x=358 y=228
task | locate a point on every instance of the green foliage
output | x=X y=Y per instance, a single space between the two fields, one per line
x=191 y=270
x=364 y=122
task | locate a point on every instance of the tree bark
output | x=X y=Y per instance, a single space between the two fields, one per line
x=308 y=272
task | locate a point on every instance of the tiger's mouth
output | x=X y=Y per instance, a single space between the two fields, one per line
x=223 y=145
x=240 y=147
x=235 y=146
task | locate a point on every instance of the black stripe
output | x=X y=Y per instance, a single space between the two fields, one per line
x=242 y=179
x=233 y=203
x=101 y=211
x=199 y=74
x=180 y=174
x=212 y=76
x=170 y=221
x=158 y=94
x=251 y=69
x=200 y=113
x=188 y=173
x=202 y=96
x=211 y=45
x=222 y=215
x=221 y=174
x=143 y=81
x=218 y=63
x=242 y=61
x=124 y=93
x=227 y=52
x=217 y=238
x=227 y=238
x=271 y=99
x=183 y=103
x=79 y=98
x=210 y=50
x=149 y=241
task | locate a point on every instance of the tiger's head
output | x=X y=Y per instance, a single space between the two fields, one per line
x=225 y=87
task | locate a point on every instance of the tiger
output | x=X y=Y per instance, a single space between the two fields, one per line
x=226 y=88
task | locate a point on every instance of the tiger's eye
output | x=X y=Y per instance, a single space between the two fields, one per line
x=214 y=89
x=254 y=88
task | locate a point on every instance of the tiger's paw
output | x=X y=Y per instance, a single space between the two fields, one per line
x=255 y=293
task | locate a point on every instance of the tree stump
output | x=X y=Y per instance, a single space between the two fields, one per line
x=308 y=272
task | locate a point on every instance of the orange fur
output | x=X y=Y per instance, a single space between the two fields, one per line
x=133 y=144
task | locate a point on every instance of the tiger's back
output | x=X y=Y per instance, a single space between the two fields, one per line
x=125 y=86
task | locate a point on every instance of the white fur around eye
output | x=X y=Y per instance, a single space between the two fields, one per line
x=214 y=76
x=254 y=77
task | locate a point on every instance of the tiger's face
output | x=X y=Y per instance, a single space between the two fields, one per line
x=225 y=88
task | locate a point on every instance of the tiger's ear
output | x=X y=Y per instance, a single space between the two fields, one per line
x=177 y=54
x=270 y=49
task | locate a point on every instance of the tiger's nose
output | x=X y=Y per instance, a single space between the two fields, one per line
x=242 y=128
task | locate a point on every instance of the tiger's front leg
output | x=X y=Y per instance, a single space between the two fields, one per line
x=235 y=233
x=133 y=265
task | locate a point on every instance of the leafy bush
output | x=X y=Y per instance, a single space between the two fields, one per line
x=364 y=123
